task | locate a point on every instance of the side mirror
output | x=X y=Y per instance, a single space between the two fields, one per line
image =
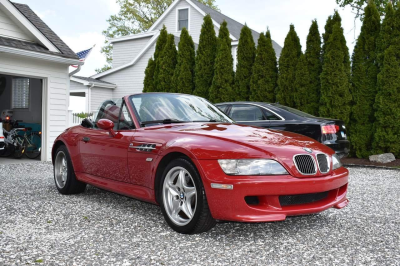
x=106 y=124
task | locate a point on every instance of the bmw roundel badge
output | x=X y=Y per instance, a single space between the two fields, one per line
x=308 y=150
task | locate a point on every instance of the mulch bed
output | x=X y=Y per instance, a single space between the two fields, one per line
x=361 y=162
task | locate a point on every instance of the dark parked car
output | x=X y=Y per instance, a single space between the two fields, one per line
x=331 y=132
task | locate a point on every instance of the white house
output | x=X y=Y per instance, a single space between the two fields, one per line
x=34 y=64
x=131 y=53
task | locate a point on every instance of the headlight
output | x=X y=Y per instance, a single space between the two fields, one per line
x=252 y=167
x=336 y=162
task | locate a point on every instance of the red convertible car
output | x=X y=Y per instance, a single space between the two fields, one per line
x=183 y=153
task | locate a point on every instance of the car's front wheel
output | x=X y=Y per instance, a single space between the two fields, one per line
x=64 y=174
x=183 y=199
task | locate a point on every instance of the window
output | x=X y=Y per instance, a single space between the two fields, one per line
x=20 y=93
x=270 y=116
x=109 y=110
x=125 y=120
x=222 y=107
x=244 y=113
x=183 y=19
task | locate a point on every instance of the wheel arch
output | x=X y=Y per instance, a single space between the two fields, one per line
x=56 y=145
x=165 y=160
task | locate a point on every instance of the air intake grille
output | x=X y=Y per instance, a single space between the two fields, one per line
x=305 y=164
x=302 y=198
x=323 y=163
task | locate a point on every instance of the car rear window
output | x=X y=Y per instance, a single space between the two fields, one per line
x=292 y=110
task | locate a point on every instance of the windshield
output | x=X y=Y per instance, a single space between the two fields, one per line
x=155 y=108
x=292 y=110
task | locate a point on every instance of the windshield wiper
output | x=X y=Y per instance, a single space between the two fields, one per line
x=165 y=121
x=204 y=121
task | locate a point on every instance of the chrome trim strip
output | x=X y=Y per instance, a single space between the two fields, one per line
x=313 y=159
x=282 y=119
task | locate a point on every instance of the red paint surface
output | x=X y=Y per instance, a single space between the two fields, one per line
x=109 y=162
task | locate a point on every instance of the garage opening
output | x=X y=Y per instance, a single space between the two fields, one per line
x=21 y=118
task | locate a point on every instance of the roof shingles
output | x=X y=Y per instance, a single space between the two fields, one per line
x=25 y=10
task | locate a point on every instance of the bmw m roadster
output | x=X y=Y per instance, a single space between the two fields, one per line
x=184 y=154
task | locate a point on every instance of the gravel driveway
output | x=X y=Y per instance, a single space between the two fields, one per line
x=40 y=226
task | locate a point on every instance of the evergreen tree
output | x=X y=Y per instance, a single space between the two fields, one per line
x=205 y=58
x=223 y=81
x=287 y=68
x=183 y=79
x=245 y=55
x=224 y=35
x=161 y=41
x=385 y=35
x=168 y=59
x=364 y=81
x=314 y=64
x=335 y=86
x=265 y=71
x=302 y=84
x=148 y=83
x=332 y=20
x=387 y=104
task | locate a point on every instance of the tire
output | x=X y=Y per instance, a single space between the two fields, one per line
x=184 y=212
x=33 y=150
x=64 y=174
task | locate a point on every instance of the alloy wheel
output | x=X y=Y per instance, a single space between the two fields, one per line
x=61 y=169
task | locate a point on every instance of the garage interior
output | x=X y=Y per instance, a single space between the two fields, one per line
x=23 y=97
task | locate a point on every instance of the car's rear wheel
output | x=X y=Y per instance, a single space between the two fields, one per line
x=183 y=199
x=64 y=174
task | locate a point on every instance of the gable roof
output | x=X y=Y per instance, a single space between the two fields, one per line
x=46 y=31
x=234 y=27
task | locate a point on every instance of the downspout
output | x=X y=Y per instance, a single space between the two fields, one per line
x=90 y=96
x=75 y=71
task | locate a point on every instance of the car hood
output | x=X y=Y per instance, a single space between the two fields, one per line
x=268 y=141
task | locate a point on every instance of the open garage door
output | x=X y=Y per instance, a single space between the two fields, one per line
x=21 y=112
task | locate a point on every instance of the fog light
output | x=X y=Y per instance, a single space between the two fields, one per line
x=221 y=186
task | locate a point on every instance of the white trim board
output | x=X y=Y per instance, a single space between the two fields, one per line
x=132 y=37
x=89 y=83
x=47 y=57
x=18 y=18
x=112 y=70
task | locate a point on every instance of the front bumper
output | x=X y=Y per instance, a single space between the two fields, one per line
x=231 y=205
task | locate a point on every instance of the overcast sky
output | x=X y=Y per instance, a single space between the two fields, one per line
x=80 y=22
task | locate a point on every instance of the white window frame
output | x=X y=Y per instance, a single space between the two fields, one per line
x=177 y=18
x=12 y=94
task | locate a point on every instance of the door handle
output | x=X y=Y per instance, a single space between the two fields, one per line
x=86 y=139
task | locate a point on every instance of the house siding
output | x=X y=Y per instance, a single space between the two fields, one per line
x=55 y=90
x=130 y=80
x=124 y=52
x=98 y=96
x=9 y=29
x=195 y=21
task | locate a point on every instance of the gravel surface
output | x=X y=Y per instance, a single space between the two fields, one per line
x=40 y=226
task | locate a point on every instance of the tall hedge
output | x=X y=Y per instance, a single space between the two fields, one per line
x=205 y=58
x=335 y=87
x=167 y=63
x=148 y=83
x=265 y=71
x=331 y=21
x=387 y=104
x=302 y=84
x=161 y=41
x=223 y=81
x=287 y=68
x=183 y=80
x=246 y=53
x=314 y=65
x=385 y=35
x=364 y=82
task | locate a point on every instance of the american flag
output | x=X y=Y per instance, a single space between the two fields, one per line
x=84 y=54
